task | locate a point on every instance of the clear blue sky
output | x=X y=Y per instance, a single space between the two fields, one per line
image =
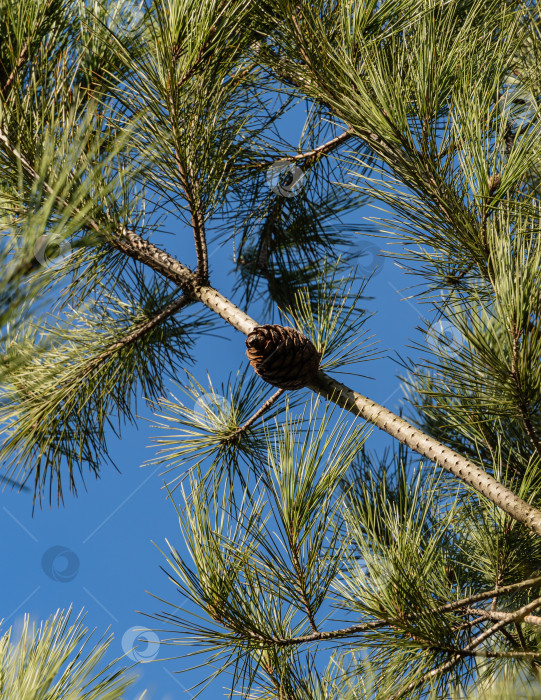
x=104 y=537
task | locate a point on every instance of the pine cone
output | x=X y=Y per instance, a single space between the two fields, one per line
x=493 y=183
x=282 y=356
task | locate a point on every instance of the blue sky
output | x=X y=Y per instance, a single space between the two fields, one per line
x=100 y=550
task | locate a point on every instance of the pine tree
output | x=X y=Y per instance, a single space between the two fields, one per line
x=315 y=569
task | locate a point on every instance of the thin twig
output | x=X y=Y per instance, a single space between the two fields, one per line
x=199 y=233
x=509 y=637
x=325 y=148
x=199 y=59
x=500 y=615
x=309 y=156
x=260 y=411
x=187 y=180
x=532 y=655
x=520 y=635
x=265 y=239
x=495 y=599
x=301 y=583
x=300 y=35
x=519 y=614
x=397 y=621
x=283 y=693
x=22 y=57
x=530 y=430
x=160 y=316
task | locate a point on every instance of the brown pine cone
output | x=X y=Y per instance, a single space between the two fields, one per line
x=493 y=183
x=282 y=356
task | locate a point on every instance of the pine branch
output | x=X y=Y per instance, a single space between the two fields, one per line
x=301 y=584
x=125 y=240
x=197 y=220
x=6 y=87
x=499 y=615
x=427 y=446
x=518 y=615
x=56 y=403
x=397 y=621
x=527 y=655
x=265 y=407
x=149 y=254
x=310 y=156
x=190 y=72
x=283 y=693
x=159 y=317
x=138 y=248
